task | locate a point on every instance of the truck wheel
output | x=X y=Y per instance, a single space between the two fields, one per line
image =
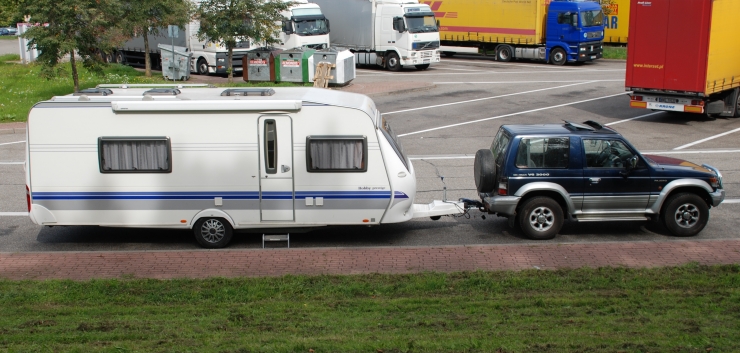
x=540 y=218
x=392 y=62
x=685 y=214
x=213 y=233
x=484 y=171
x=737 y=106
x=202 y=67
x=422 y=67
x=558 y=57
x=504 y=53
x=449 y=54
x=119 y=58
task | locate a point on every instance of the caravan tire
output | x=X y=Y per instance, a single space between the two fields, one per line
x=484 y=171
x=213 y=233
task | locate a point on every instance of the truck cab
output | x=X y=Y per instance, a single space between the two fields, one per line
x=574 y=32
x=304 y=25
x=408 y=33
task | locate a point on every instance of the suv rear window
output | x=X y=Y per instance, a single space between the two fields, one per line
x=540 y=152
x=499 y=145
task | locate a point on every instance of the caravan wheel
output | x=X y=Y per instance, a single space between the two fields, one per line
x=213 y=233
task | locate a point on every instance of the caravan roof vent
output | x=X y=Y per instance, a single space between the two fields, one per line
x=248 y=92
x=94 y=92
x=162 y=92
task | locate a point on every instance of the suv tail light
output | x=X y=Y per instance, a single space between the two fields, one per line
x=503 y=186
x=28 y=198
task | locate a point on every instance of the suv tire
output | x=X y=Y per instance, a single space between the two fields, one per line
x=484 y=171
x=685 y=214
x=540 y=218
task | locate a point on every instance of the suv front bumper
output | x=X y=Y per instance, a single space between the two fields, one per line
x=502 y=205
x=717 y=197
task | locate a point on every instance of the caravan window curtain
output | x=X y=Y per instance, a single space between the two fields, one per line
x=336 y=154
x=135 y=155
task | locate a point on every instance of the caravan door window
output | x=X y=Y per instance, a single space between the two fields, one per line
x=135 y=154
x=336 y=154
x=270 y=147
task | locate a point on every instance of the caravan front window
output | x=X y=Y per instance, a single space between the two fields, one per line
x=393 y=139
x=134 y=155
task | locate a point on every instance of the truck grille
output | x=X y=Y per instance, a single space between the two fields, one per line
x=427 y=54
x=425 y=45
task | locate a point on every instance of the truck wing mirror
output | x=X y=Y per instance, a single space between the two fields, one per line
x=399 y=25
x=574 y=19
x=288 y=26
x=438 y=24
x=328 y=27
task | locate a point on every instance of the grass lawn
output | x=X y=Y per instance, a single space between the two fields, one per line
x=615 y=52
x=22 y=86
x=15 y=38
x=685 y=309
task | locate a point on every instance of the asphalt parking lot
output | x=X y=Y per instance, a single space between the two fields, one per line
x=441 y=128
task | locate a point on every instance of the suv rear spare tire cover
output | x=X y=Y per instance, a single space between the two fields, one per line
x=484 y=170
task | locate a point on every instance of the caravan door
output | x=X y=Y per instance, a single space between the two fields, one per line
x=276 y=168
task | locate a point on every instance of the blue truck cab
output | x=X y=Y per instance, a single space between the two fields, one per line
x=574 y=31
x=540 y=175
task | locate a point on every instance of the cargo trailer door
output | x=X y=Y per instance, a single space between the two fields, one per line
x=668 y=45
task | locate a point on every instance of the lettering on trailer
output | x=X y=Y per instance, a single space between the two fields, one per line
x=614 y=22
x=645 y=3
x=648 y=66
x=666 y=106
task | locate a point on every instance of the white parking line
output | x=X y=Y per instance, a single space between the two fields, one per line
x=499 y=72
x=486 y=98
x=691 y=152
x=534 y=66
x=731 y=201
x=630 y=119
x=11 y=143
x=512 y=114
x=707 y=139
x=497 y=82
x=13 y=214
x=10 y=163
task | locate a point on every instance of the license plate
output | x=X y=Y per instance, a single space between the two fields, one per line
x=665 y=106
x=668 y=100
x=593 y=56
x=427 y=61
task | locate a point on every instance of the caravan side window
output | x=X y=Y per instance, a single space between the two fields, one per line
x=135 y=155
x=336 y=154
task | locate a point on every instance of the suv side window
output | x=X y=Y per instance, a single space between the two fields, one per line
x=539 y=152
x=606 y=153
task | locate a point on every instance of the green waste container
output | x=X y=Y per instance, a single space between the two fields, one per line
x=295 y=65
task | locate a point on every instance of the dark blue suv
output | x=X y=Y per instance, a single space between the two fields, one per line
x=539 y=175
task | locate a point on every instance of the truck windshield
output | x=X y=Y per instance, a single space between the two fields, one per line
x=418 y=23
x=393 y=139
x=310 y=27
x=592 y=18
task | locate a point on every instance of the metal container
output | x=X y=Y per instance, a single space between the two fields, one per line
x=295 y=65
x=344 y=61
x=175 y=64
x=259 y=65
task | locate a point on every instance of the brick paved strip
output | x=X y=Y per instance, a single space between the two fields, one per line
x=315 y=261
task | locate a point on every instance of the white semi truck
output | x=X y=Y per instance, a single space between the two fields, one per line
x=389 y=33
x=304 y=26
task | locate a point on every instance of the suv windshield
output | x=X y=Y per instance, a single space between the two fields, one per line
x=592 y=18
x=419 y=23
x=393 y=139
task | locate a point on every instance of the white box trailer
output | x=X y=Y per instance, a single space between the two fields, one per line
x=216 y=159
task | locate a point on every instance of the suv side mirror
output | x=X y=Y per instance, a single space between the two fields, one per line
x=633 y=162
x=631 y=165
x=399 y=25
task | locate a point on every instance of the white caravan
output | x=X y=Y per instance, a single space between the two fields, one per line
x=389 y=33
x=305 y=26
x=218 y=159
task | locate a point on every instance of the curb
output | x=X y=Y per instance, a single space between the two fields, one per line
x=12 y=131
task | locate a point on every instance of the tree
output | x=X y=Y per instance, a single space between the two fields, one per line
x=229 y=21
x=607 y=6
x=70 y=26
x=143 y=17
x=9 y=12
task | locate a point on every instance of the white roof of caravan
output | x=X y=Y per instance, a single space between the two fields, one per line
x=210 y=99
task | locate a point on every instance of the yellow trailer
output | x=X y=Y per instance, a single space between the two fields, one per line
x=616 y=21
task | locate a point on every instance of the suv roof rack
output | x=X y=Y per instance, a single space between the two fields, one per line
x=93 y=92
x=594 y=124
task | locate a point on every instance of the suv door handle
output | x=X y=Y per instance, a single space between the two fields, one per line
x=594 y=180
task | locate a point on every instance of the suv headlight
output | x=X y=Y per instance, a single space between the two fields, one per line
x=714 y=182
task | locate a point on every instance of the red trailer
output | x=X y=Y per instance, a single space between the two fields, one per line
x=684 y=56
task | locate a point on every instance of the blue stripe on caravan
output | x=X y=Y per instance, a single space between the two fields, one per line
x=226 y=195
x=400 y=195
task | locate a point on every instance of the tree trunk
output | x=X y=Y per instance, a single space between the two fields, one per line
x=75 y=79
x=229 y=68
x=147 y=59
